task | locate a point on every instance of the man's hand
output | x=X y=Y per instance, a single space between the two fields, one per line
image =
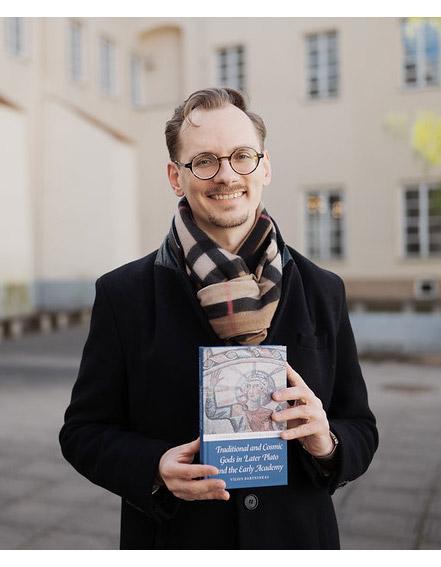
x=306 y=418
x=183 y=478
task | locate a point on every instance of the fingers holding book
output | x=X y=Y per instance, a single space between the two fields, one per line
x=307 y=420
x=185 y=479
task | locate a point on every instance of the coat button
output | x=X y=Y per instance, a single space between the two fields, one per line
x=251 y=502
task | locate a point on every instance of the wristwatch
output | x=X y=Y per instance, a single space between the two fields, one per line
x=331 y=454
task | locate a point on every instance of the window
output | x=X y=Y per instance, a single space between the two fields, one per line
x=76 y=52
x=421 y=45
x=324 y=225
x=322 y=65
x=16 y=36
x=137 y=81
x=231 y=67
x=422 y=223
x=107 y=67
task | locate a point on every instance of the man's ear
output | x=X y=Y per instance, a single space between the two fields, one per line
x=173 y=177
x=267 y=169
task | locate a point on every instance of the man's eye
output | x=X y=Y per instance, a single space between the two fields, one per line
x=243 y=155
x=203 y=161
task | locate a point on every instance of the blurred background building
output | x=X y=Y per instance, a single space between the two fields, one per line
x=353 y=110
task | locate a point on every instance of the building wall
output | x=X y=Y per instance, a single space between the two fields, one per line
x=342 y=143
x=16 y=253
x=88 y=206
x=89 y=170
x=70 y=174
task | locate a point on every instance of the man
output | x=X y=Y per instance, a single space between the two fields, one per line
x=222 y=276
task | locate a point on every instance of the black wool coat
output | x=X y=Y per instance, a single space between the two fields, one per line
x=136 y=396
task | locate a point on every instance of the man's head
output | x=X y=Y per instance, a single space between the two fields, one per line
x=208 y=99
x=255 y=389
x=212 y=124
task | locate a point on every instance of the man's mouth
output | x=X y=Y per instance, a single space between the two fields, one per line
x=226 y=196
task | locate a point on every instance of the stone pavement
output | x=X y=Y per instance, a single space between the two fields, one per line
x=45 y=504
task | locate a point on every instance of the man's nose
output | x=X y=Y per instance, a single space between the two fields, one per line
x=226 y=173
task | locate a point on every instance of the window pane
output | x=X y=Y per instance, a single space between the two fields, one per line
x=421 y=48
x=324 y=229
x=230 y=67
x=412 y=192
x=413 y=249
x=410 y=53
x=136 y=81
x=333 y=85
x=434 y=202
x=76 y=51
x=15 y=36
x=409 y=41
x=107 y=67
x=322 y=65
x=422 y=220
x=434 y=222
x=413 y=233
x=432 y=49
x=435 y=239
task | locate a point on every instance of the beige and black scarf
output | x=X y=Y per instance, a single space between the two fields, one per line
x=238 y=292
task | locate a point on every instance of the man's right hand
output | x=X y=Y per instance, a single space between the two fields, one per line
x=183 y=478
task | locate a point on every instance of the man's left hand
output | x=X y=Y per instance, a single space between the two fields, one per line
x=307 y=420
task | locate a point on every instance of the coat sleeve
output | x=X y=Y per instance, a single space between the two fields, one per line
x=349 y=415
x=96 y=438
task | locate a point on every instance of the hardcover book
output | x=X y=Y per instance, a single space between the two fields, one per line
x=237 y=433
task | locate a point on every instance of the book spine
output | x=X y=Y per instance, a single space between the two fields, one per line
x=201 y=405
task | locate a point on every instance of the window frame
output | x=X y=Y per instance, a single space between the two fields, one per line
x=137 y=81
x=320 y=71
x=421 y=221
x=17 y=44
x=420 y=61
x=228 y=78
x=322 y=249
x=107 y=70
x=77 y=58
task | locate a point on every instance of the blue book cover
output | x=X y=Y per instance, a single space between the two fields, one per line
x=237 y=433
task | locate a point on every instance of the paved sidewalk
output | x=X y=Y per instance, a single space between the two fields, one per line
x=45 y=504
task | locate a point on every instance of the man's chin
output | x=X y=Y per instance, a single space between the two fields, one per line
x=228 y=222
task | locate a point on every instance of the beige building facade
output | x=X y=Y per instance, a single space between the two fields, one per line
x=83 y=186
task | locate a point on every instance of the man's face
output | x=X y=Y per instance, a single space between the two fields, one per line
x=256 y=393
x=220 y=131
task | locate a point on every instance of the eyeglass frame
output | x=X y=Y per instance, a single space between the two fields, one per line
x=189 y=165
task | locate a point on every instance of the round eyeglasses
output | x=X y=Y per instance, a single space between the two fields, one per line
x=206 y=165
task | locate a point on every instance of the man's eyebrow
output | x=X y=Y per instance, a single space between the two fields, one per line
x=232 y=151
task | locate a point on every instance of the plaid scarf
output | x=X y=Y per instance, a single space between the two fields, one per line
x=238 y=292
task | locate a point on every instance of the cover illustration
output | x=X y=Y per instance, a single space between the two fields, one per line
x=237 y=433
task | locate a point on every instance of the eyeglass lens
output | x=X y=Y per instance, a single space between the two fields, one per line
x=243 y=161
